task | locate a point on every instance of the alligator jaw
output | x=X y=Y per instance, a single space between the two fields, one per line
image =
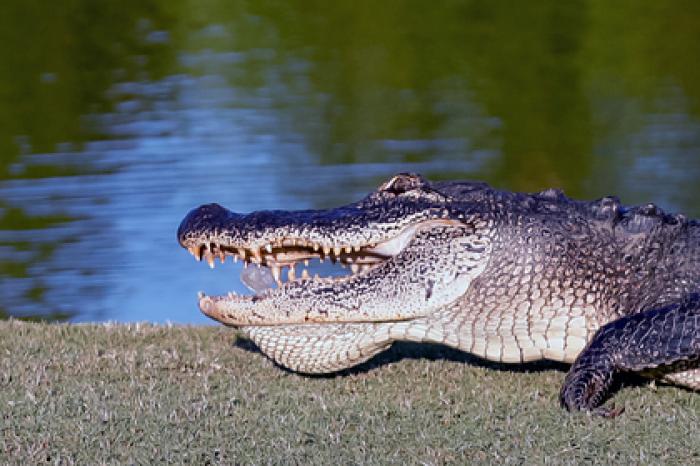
x=350 y=298
x=411 y=251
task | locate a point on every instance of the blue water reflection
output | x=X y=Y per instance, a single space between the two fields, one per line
x=104 y=154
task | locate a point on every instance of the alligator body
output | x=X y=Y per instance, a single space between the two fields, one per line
x=509 y=277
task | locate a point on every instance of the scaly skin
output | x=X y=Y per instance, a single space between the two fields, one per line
x=507 y=276
x=663 y=341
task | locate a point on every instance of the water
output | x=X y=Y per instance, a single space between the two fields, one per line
x=116 y=120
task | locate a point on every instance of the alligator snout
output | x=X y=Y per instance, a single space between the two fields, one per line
x=201 y=220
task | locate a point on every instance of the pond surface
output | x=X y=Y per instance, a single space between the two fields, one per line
x=117 y=119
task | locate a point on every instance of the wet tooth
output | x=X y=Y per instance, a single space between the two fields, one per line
x=337 y=250
x=268 y=248
x=355 y=268
x=241 y=252
x=316 y=247
x=357 y=248
x=326 y=250
x=222 y=256
x=348 y=249
x=235 y=258
x=305 y=274
x=257 y=255
x=306 y=262
x=290 y=274
x=276 y=274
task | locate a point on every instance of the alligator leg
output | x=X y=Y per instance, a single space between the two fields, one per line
x=662 y=342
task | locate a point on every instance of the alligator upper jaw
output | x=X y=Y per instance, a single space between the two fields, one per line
x=290 y=252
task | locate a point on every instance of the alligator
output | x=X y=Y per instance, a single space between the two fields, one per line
x=509 y=277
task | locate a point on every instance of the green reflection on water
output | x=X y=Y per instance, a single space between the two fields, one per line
x=372 y=71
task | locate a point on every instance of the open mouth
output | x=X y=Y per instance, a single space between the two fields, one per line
x=286 y=261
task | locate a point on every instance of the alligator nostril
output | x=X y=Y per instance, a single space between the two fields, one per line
x=208 y=211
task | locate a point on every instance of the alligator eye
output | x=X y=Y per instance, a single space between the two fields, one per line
x=403 y=182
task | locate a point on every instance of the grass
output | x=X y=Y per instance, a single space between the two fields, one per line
x=143 y=394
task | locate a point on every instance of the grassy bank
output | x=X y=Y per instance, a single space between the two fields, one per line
x=149 y=394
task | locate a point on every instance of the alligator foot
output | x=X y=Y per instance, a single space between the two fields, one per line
x=586 y=387
x=656 y=342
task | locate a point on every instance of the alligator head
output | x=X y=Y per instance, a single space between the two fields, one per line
x=411 y=248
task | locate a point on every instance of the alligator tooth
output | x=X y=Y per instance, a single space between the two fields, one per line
x=290 y=274
x=235 y=258
x=355 y=268
x=276 y=274
x=357 y=248
x=268 y=248
x=305 y=274
x=257 y=255
x=326 y=250
x=210 y=259
x=241 y=252
x=337 y=250
x=316 y=247
x=222 y=256
x=306 y=262
x=348 y=249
